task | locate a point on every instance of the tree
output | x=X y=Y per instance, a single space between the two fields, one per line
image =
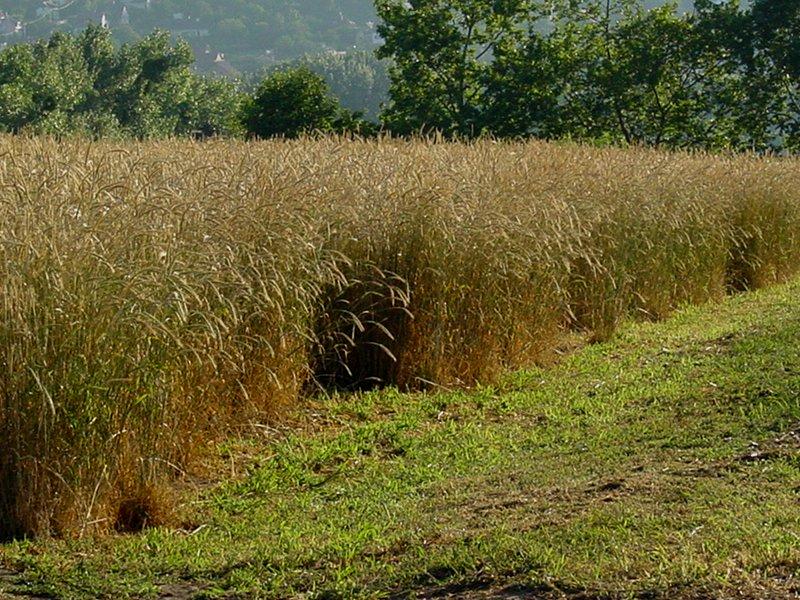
x=42 y=85
x=773 y=66
x=85 y=85
x=153 y=78
x=526 y=88
x=638 y=76
x=17 y=69
x=742 y=98
x=100 y=57
x=211 y=107
x=442 y=55
x=598 y=70
x=775 y=29
x=290 y=103
x=357 y=79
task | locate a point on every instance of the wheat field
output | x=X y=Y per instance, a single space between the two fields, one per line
x=155 y=295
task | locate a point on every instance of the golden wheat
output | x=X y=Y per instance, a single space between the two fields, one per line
x=153 y=294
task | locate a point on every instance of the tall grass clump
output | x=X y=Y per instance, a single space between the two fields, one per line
x=146 y=300
x=478 y=261
x=648 y=241
x=764 y=216
x=154 y=295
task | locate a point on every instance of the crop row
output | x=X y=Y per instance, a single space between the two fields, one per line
x=155 y=295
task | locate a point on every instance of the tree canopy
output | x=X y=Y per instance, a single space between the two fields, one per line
x=291 y=103
x=617 y=71
x=85 y=84
x=723 y=76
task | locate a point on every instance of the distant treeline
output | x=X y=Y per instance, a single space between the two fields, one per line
x=87 y=85
x=725 y=76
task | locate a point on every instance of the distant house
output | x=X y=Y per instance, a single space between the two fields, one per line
x=9 y=26
x=215 y=62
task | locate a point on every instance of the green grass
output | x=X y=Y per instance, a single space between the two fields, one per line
x=665 y=461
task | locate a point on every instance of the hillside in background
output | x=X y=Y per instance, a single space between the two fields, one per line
x=228 y=36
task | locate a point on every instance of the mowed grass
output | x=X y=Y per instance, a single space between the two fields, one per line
x=662 y=463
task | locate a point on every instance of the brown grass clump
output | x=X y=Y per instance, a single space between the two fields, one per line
x=154 y=294
x=144 y=506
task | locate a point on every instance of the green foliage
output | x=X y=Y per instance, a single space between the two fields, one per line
x=775 y=25
x=294 y=102
x=635 y=72
x=211 y=107
x=773 y=66
x=85 y=85
x=42 y=85
x=148 y=89
x=358 y=79
x=441 y=52
x=637 y=77
x=154 y=78
x=16 y=97
x=613 y=71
